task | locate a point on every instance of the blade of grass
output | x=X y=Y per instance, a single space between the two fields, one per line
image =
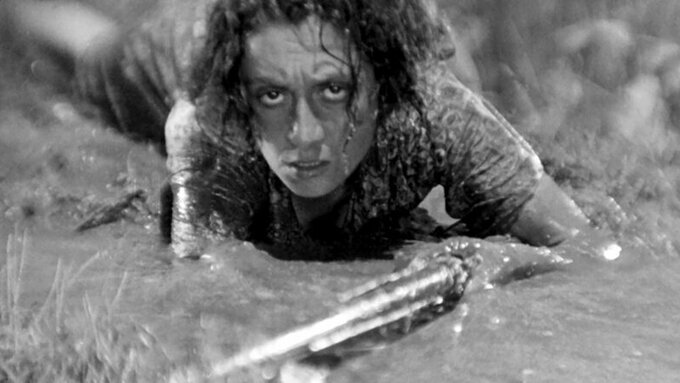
x=119 y=292
x=51 y=294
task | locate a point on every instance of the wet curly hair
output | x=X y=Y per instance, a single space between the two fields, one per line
x=394 y=36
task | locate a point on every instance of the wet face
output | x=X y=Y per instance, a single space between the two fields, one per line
x=297 y=82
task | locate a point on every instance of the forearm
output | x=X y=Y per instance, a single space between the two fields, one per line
x=549 y=217
x=190 y=206
x=189 y=222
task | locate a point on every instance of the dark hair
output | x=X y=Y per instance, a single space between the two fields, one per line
x=394 y=36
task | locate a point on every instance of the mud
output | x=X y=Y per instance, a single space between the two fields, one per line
x=592 y=321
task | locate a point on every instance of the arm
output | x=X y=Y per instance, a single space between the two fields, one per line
x=549 y=217
x=217 y=185
x=189 y=207
x=495 y=182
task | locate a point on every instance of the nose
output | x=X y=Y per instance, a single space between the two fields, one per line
x=307 y=129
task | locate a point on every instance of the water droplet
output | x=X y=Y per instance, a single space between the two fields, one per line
x=612 y=252
x=269 y=372
x=495 y=322
x=526 y=374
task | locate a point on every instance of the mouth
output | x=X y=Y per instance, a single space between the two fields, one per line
x=308 y=169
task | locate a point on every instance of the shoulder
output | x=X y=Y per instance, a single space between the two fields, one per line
x=457 y=114
x=446 y=99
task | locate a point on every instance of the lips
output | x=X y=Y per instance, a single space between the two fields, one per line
x=306 y=165
x=308 y=169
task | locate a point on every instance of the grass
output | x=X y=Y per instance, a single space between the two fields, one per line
x=56 y=342
x=623 y=176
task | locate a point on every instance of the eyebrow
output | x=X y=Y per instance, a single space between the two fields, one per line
x=341 y=68
x=259 y=76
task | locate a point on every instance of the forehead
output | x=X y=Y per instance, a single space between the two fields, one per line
x=280 y=43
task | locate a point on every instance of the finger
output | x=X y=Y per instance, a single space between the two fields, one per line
x=416 y=252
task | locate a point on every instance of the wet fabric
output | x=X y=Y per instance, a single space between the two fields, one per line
x=460 y=142
x=487 y=170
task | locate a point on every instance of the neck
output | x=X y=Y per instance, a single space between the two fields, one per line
x=308 y=209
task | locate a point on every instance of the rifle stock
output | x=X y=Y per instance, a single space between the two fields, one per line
x=425 y=282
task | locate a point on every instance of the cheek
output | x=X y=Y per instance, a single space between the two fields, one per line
x=364 y=136
x=367 y=104
x=267 y=120
x=365 y=128
x=270 y=152
x=269 y=127
x=366 y=120
x=266 y=143
x=336 y=126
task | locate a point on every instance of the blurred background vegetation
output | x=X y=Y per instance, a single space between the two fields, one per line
x=594 y=85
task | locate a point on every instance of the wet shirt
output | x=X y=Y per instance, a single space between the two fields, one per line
x=459 y=142
x=487 y=170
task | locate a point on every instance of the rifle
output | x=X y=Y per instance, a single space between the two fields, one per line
x=426 y=282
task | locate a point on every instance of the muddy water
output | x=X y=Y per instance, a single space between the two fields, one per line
x=596 y=323
x=592 y=321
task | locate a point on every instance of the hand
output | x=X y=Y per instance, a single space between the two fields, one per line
x=490 y=263
x=590 y=243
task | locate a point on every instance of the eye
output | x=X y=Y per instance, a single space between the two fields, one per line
x=271 y=98
x=335 y=92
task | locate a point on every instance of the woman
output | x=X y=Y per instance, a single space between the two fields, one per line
x=313 y=126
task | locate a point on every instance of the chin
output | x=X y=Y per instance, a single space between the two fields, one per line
x=310 y=192
x=310 y=189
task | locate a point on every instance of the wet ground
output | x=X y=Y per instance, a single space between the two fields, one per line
x=592 y=321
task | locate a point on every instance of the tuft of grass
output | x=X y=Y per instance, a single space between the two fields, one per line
x=59 y=343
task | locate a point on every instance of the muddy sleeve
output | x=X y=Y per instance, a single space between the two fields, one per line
x=218 y=185
x=487 y=169
x=189 y=171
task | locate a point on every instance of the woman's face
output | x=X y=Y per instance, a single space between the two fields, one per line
x=297 y=83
